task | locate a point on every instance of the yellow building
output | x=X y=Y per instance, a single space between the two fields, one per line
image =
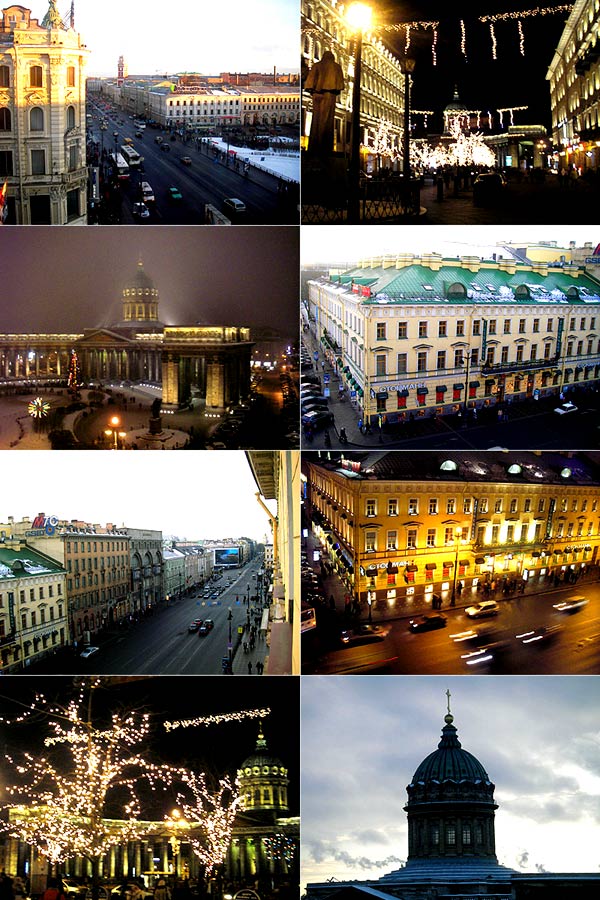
x=400 y=528
x=423 y=336
x=42 y=119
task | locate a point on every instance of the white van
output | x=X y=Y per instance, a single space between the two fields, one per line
x=147 y=192
x=234 y=206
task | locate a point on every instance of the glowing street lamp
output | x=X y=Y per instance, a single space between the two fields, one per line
x=114 y=431
x=358 y=17
x=407 y=66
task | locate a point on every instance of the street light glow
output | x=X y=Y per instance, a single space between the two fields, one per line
x=359 y=16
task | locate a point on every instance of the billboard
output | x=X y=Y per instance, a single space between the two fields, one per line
x=227 y=556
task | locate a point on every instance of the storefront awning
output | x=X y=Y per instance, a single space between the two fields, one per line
x=403 y=393
x=430 y=566
x=479 y=560
x=441 y=389
x=448 y=565
x=464 y=562
x=422 y=390
x=458 y=386
x=412 y=568
x=474 y=384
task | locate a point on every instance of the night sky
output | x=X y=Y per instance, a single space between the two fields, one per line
x=215 y=749
x=483 y=83
x=67 y=279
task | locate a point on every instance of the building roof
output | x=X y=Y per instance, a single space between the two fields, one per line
x=261 y=756
x=25 y=562
x=450 y=762
x=516 y=467
x=439 y=280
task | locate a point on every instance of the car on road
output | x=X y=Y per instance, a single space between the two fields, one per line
x=483 y=609
x=132 y=891
x=565 y=408
x=195 y=625
x=572 y=605
x=186 y=160
x=165 y=147
x=486 y=656
x=317 y=419
x=474 y=636
x=428 y=623
x=363 y=634
x=175 y=195
x=139 y=134
x=140 y=211
x=233 y=206
x=538 y=637
x=89 y=651
x=206 y=626
x=488 y=188
x=147 y=192
x=158 y=139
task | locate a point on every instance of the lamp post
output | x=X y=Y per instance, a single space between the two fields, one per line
x=358 y=17
x=466 y=364
x=230 y=641
x=407 y=66
x=457 y=534
x=114 y=431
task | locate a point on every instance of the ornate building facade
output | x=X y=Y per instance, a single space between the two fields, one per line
x=42 y=118
x=210 y=361
x=422 y=335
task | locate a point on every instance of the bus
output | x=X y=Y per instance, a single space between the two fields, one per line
x=120 y=164
x=131 y=155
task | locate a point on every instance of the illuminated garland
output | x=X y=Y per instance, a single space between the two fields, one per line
x=410 y=26
x=465 y=150
x=538 y=11
x=207 y=818
x=217 y=720
x=511 y=110
x=521 y=38
x=280 y=847
x=463 y=38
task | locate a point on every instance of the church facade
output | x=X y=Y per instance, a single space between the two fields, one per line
x=207 y=361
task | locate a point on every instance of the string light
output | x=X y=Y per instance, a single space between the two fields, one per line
x=463 y=38
x=493 y=37
x=38 y=408
x=280 y=847
x=207 y=817
x=217 y=720
x=521 y=38
x=407 y=40
x=538 y=11
x=433 y=48
x=464 y=150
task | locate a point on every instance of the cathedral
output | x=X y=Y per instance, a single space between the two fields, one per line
x=210 y=362
x=451 y=841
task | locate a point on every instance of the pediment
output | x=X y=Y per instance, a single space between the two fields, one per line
x=100 y=337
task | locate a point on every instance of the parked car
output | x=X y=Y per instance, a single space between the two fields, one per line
x=233 y=206
x=317 y=419
x=565 y=408
x=488 y=189
x=140 y=211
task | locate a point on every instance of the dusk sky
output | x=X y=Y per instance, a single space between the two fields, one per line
x=364 y=736
x=67 y=279
x=200 y=495
x=210 y=38
x=329 y=243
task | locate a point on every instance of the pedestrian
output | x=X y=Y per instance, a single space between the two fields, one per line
x=360 y=425
x=260 y=667
x=249 y=667
x=161 y=891
x=343 y=438
x=332 y=601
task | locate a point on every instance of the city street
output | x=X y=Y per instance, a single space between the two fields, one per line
x=206 y=180
x=160 y=643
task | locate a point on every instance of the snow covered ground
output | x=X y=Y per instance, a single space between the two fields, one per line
x=270 y=161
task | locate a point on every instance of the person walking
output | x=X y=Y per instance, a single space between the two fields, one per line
x=249 y=667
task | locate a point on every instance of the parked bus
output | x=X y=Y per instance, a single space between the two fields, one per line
x=120 y=164
x=131 y=155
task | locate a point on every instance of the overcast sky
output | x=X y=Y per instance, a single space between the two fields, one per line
x=330 y=243
x=192 y=495
x=364 y=736
x=157 y=38
x=67 y=279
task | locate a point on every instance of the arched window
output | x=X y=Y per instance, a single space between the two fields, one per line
x=4 y=76
x=5 y=119
x=35 y=76
x=36 y=119
x=70 y=117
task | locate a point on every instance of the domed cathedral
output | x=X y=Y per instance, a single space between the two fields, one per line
x=263 y=781
x=140 y=304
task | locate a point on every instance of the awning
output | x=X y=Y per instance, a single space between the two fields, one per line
x=568 y=371
x=474 y=384
x=403 y=393
x=448 y=565
x=371 y=571
x=441 y=389
x=479 y=560
x=412 y=568
x=464 y=562
x=382 y=395
x=430 y=566
x=459 y=386
x=535 y=554
x=422 y=390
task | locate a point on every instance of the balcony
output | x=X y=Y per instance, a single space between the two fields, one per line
x=526 y=365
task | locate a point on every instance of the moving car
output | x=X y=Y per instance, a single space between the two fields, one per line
x=545 y=634
x=428 y=623
x=206 y=626
x=195 y=625
x=572 y=605
x=480 y=610
x=140 y=211
x=186 y=160
x=488 y=188
x=88 y=652
x=565 y=408
x=175 y=194
x=147 y=192
x=234 y=206
x=363 y=634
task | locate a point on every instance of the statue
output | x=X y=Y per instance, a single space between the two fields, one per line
x=156 y=405
x=324 y=82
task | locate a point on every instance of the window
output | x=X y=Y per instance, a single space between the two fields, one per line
x=574 y=505
x=380 y=331
x=36 y=119
x=380 y=364
x=73 y=158
x=402 y=363
x=422 y=329
x=451 y=506
x=433 y=506
x=73 y=208
x=549 y=324
x=483 y=506
x=413 y=507
x=70 y=117
x=467 y=506
x=460 y=328
x=431 y=537
x=498 y=505
x=38 y=162
x=504 y=355
x=442 y=329
x=582 y=325
x=402 y=330
x=5 y=119
x=513 y=505
x=4 y=76
x=519 y=357
x=70 y=76
x=371 y=508
x=510 y=533
x=536 y=326
x=495 y=533
x=477 y=327
x=448 y=535
x=492 y=326
x=441 y=359
x=507 y=326
x=35 y=76
x=411 y=538
x=522 y=326
x=541 y=504
x=466 y=834
x=450 y=835
x=6 y=162
x=392 y=507
x=422 y=361
x=370 y=541
x=533 y=354
x=527 y=504
x=392 y=540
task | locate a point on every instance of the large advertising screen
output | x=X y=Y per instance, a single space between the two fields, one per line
x=227 y=556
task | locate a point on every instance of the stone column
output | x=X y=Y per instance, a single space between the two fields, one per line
x=170 y=379
x=215 y=383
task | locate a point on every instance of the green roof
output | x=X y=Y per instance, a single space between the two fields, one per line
x=421 y=284
x=25 y=563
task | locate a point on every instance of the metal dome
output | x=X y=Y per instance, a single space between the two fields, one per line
x=450 y=762
x=261 y=756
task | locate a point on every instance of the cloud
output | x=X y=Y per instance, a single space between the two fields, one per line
x=323 y=852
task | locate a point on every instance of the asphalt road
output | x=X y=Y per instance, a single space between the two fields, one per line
x=205 y=181
x=575 y=650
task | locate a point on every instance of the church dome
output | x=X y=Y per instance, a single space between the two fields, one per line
x=140 y=285
x=456 y=106
x=261 y=761
x=263 y=781
x=450 y=762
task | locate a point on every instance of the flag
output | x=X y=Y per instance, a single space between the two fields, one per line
x=3 y=206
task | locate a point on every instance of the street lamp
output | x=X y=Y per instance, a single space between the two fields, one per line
x=358 y=17
x=407 y=65
x=457 y=534
x=230 y=641
x=114 y=431
x=466 y=365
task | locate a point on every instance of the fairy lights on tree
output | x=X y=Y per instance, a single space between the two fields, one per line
x=280 y=847
x=465 y=150
x=74 y=376
x=207 y=816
